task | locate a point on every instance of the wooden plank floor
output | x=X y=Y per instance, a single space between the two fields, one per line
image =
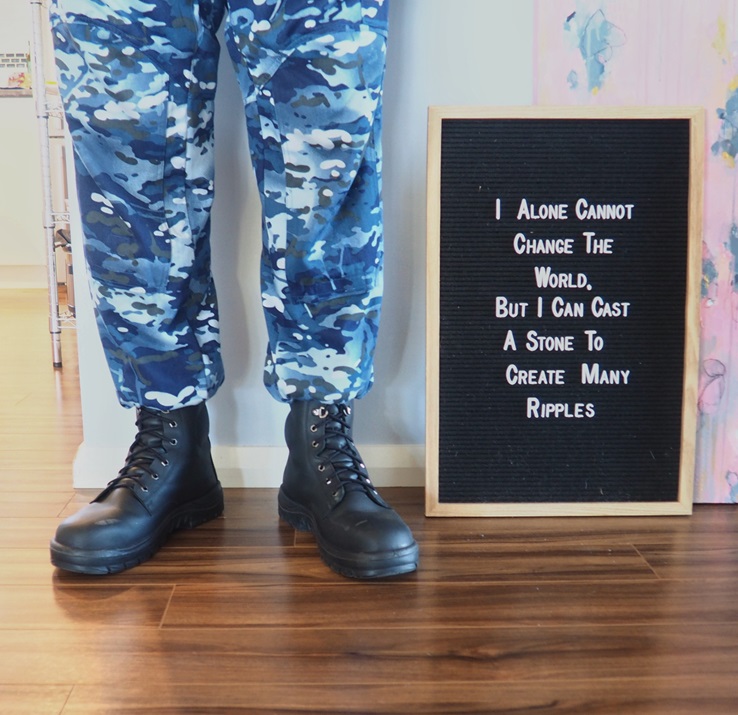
x=578 y=616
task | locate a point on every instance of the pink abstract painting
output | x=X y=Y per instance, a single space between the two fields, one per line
x=670 y=53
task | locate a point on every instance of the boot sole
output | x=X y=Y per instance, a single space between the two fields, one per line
x=111 y=561
x=347 y=563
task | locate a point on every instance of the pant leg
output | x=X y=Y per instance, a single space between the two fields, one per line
x=311 y=73
x=137 y=79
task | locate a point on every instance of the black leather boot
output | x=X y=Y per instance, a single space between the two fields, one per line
x=168 y=483
x=326 y=490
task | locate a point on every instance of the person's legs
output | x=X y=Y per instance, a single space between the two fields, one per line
x=311 y=73
x=137 y=80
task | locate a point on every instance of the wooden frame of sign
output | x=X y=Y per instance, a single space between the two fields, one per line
x=564 y=254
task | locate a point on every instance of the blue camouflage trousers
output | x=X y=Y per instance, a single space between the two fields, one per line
x=138 y=80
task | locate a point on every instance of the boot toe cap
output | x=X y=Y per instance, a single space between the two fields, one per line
x=97 y=527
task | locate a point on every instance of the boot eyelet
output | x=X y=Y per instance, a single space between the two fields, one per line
x=144 y=489
x=315 y=444
x=155 y=477
x=313 y=428
x=172 y=424
x=173 y=441
x=321 y=467
x=164 y=462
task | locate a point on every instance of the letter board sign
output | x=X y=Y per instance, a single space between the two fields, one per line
x=563 y=315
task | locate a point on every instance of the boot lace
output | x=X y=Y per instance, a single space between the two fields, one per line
x=143 y=455
x=340 y=451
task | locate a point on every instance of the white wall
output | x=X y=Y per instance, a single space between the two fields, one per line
x=22 y=253
x=441 y=52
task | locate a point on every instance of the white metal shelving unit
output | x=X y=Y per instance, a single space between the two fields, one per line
x=56 y=219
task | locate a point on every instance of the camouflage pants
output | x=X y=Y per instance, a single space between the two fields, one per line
x=138 y=80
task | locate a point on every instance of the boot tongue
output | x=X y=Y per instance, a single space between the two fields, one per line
x=150 y=440
x=148 y=443
x=147 y=446
x=145 y=449
x=150 y=435
x=344 y=456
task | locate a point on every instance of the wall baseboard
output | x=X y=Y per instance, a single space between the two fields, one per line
x=390 y=465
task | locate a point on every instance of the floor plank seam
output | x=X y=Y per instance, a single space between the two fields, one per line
x=166 y=608
x=67 y=699
x=648 y=563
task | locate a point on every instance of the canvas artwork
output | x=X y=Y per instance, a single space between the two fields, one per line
x=670 y=53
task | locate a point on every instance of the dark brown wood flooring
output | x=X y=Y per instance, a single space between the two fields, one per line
x=581 y=616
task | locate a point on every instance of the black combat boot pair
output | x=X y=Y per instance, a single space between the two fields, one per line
x=169 y=483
